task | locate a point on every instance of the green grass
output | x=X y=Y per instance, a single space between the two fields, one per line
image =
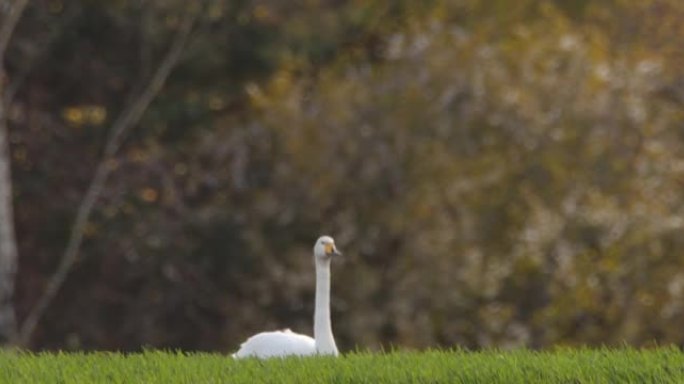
x=662 y=365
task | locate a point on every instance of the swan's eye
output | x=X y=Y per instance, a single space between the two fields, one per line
x=328 y=248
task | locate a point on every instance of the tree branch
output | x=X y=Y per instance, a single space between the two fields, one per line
x=128 y=118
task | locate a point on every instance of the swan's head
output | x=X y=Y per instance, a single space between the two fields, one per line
x=325 y=248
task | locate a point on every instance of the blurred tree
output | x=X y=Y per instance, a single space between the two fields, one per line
x=499 y=174
x=451 y=161
x=128 y=118
x=63 y=120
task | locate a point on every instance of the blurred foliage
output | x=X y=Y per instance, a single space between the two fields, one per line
x=499 y=173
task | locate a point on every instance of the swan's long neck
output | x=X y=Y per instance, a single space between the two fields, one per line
x=325 y=342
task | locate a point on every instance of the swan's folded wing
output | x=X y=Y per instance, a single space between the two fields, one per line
x=276 y=344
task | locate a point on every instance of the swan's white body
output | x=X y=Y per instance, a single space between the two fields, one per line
x=277 y=343
x=287 y=343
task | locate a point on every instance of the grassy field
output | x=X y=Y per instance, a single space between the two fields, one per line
x=664 y=365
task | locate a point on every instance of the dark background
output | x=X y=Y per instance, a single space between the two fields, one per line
x=497 y=173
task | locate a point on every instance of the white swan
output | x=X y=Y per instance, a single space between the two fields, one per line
x=284 y=343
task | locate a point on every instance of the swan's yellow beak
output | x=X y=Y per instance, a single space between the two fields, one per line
x=331 y=250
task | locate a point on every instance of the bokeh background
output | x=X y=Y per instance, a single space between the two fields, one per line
x=498 y=173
